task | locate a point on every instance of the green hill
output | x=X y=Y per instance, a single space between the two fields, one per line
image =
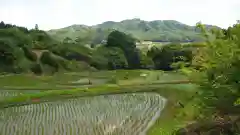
x=164 y=30
x=23 y=50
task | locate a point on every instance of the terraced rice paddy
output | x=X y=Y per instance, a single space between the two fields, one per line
x=122 y=114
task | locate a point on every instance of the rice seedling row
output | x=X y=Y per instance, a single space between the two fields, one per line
x=121 y=114
x=8 y=93
x=11 y=93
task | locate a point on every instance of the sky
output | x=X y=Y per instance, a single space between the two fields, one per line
x=54 y=14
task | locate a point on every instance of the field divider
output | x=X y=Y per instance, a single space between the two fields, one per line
x=106 y=89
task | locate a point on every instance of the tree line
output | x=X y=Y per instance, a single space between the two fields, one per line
x=24 y=50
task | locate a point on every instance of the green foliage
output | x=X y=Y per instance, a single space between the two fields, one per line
x=58 y=63
x=72 y=51
x=7 y=26
x=12 y=57
x=6 y=49
x=41 y=40
x=48 y=69
x=164 y=57
x=29 y=54
x=120 y=52
x=79 y=66
x=220 y=70
x=16 y=36
x=116 y=59
x=16 y=48
x=126 y=43
x=48 y=59
x=100 y=58
x=54 y=63
x=37 y=69
x=145 y=61
x=121 y=40
x=109 y=58
x=36 y=27
x=165 y=30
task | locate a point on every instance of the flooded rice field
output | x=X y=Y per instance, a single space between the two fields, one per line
x=122 y=114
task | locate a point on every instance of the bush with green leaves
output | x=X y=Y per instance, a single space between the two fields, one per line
x=48 y=59
x=41 y=40
x=72 y=51
x=219 y=73
x=109 y=58
x=16 y=36
x=99 y=58
x=37 y=68
x=30 y=54
x=116 y=58
x=145 y=61
x=167 y=55
x=12 y=58
x=128 y=45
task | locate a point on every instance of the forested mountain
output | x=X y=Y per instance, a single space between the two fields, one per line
x=36 y=51
x=165 y=30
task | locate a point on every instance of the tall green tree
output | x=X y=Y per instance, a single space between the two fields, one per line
x=167 y=55
x=36 y=27
x=128 y=44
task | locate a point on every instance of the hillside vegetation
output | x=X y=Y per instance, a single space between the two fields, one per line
x=24 y=50
x=36 y=51
x=159 y=30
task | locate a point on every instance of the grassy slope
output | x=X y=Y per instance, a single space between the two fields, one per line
x=174 y=93
x=173 y=116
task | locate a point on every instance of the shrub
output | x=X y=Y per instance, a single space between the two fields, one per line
x=109 y=58
x=12 y=57
x=220 y=71
x=37 y=69
x=48 y=59
x=29 y=54
x=127 y=44
x=72 y=51
x=164 y=57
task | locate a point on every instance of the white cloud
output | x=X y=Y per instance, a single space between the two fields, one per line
x=14 y=14
x=50 y=14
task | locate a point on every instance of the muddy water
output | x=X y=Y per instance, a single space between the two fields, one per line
x=125 y=114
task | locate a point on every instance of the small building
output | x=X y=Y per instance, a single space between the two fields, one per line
x=146 y=42
x=104 y=42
